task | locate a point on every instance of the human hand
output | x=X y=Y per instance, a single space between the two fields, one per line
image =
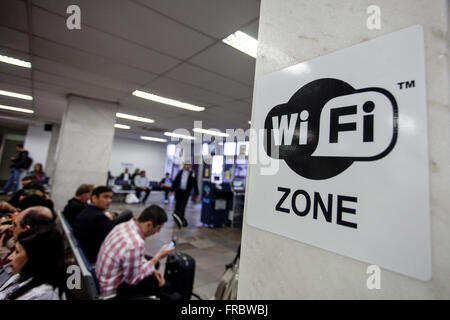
x=165 y=251
x=160 y=278
x=6 y=206
x=110 y=217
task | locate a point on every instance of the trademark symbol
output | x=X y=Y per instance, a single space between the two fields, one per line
x=407 y=84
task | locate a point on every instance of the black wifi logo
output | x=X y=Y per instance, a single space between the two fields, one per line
x=327 y=125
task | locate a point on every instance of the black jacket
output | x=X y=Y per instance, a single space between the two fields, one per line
x=90 y=228
x=191 y=183
x=20 y=161
x=72 y=209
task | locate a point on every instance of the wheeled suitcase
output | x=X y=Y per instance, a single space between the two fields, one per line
x=180 y=273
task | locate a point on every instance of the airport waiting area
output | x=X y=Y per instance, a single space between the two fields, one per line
x=217 y=150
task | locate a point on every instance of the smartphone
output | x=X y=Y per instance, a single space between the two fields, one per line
x=171 y=244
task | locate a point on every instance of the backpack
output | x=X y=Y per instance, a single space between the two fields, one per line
x=27 y=163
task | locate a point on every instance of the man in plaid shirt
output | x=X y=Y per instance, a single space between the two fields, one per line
x=121 y=264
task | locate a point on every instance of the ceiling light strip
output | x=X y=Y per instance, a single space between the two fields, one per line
x=170 y=102
x=177 y=135
x=135 y=118
x=211 y=132
x=122 y=126
x=16 y=109
x=15 y=61
x=153 y=139
x=243 y=42
x=15 y=95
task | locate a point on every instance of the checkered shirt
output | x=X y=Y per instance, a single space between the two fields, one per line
x=121 y=258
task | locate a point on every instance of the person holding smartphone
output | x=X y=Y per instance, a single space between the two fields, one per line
x=121 y=264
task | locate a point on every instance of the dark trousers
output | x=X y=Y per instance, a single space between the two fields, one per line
x=138 y=193
x=146 y=288
x=166 y=193
x=181 y=200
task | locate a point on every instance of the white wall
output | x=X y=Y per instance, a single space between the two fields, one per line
x=300 y=30
x=37 y=142
x=145 y=155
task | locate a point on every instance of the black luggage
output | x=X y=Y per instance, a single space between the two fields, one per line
x=180 y=273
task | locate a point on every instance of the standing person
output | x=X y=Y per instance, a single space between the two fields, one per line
x=93 y=224
x=166 y=185
x=78 y=203
x=121 y=264
x=183 y=184
x=20 y=162
x=141 y=184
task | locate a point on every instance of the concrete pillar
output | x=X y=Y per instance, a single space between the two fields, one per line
x=299 y=30
x=84 y=146
x=51 y=155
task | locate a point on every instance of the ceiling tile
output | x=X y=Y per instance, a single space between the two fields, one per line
x=217 y=18
x=226 y=60
x=184 y=92
x=85 y=61
x=136 y=23
x=210 y=81
x=13 y=14
x=13 y=39
x=89 y=78
x=52 y=27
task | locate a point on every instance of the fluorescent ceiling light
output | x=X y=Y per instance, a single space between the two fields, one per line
x=15 y=61
x=122 y=126
x=153 y=139
x=15 y=95
x=211 y=132
x=16 y=109
x=135 y=118
x=170 y=102
x=243 y=42
x=177 y=135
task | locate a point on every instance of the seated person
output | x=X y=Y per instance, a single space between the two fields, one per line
x=11 y=204
x=78 y=203
x=39 y=173
x=166 y=185
x=34 y=195
x=141 y=184
x=135 y=174
x=121 y=264
x=93 y=224
x=38 y=265
x=125 y=176
x=24 y=220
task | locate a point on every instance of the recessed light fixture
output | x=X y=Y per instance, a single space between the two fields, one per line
x=15 y=61
x=177 y=135
x=153 y=139
x=171 y=102
x=16 y=109
x=211 y=132
x=122 y=126
x=15 y=95
x=135 y=118
x=243 y=42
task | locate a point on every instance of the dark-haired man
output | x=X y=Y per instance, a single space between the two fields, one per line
x=78 y=203
x=92 y=225
x=19 y=163
x=121 y=264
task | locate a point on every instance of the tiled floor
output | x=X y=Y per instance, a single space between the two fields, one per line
x=212 y=248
